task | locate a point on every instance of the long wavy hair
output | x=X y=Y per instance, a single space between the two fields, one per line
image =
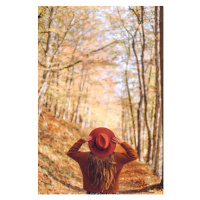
x=101 y=171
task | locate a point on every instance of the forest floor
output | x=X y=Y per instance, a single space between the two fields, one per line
x=59 y=174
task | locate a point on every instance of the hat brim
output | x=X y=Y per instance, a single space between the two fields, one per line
x=94 y=149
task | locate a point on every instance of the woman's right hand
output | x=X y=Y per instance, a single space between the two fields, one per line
x=87 y=138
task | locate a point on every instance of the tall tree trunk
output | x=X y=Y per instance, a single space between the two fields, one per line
x=123 y=115
x=157 y=86
x=68 y=104
x=57 y=107
x=130 y=103
x=65 y=108
x=140 y=104
x=81 y=86
x=161 y=79
x=158 y=146
x=151 y=112
x=128 y=131
x=89 y=116
x=125 y=126
x=140 y=149
x=85 y=110
x=132 y=137
x=144 y=86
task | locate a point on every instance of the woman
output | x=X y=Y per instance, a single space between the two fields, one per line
x=101 y=166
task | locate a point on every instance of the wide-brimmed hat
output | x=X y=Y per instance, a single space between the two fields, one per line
x=101 y=144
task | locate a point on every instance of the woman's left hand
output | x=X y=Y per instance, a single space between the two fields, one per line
x=87 y=138
x=117 y=140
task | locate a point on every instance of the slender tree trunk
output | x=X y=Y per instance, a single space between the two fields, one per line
x=149 y=81
x=122 y=124
x=54 y=89
x=130 y=104
x=158 y=146
x=161 y=80
x=51 y=88
x=122 y=117
x=157 y=86
x=81 y=86
x=140 y=107
x=151 y=112
x=125 y=126
x=68 y=105
x=140 y=129
x=89 y=117
x=129 y=132
x=65 y=109
x=57 y=108
x=132 y=139
x=85 y=110
x=144 y=86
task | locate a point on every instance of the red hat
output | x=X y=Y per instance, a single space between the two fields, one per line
x=101 y=144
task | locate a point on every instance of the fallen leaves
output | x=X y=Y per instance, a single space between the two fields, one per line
x=57 y=174
x=136 y=178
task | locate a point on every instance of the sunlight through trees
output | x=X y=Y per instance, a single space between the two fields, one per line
x=103 y=66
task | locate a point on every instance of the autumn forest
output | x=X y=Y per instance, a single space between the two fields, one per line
x=99 y=67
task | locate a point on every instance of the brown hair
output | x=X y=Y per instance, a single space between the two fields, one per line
x=101 y=171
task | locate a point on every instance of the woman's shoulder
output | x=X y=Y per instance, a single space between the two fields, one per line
x=121 y=157
x=119 y=154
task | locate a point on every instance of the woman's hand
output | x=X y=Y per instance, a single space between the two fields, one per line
x=87 y=138
x=117 y=140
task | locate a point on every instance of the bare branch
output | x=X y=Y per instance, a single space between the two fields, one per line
x=42 y=46
x=103 y=47
x=70 y=25
x=123 y=24
x=78 y=61
x=139 y=21
x=43 y=65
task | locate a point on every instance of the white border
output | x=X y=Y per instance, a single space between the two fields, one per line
x=100 y=3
